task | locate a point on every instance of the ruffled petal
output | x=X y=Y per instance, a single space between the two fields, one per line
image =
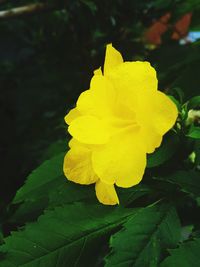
x=89 y=130
x=151 y=138
x=133 y=77
x=72 y=115
x=122 y=160
x=74 y=142
x=164 y=113
x=77 y=165
x=98 y=71
x=106 y=194
x=112 y=59
x=99 y=100
x=156 y=115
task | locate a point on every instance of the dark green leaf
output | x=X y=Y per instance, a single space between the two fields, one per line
x=194 y=132
x=176 y=102
x=70 y=235
x=47 y=187
x=144 y=236
x=56 y=148
x=188 y=181
x=168 y=148
x=1 y=238
x=194 y=102
x=45 y=178
x=33 y=196
x=92 y=6
x=187 y=255
x=64 y=193
x=197 y=152
x=186 y=232
x=129 y=195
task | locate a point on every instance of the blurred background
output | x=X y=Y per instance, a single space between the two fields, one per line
x=49 y=49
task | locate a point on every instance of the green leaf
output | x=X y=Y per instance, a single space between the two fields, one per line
x=129 y=195
x=193 y=103
x=188 y=181
x=28 y=211
x=65 y=193
x=190 y=69
x=144 y=236
x=92 y=6
x=1 y=238
x=168 y=148
x=69 y=193
x=187 y=255
x=70 y=235
x=45 y=178
x=74 y=192
x=197 y=152
x=53 y=149
x=176 y=102
x=33 y=196
x=186 y=232
x=47 y=188
x=194 y=132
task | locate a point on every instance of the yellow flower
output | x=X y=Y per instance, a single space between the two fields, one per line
x=115 y=123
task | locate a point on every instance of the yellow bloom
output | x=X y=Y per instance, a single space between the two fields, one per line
x=115 y=123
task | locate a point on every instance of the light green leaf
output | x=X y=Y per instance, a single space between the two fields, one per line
x=70 y=235
x=144 y=236
x=187 y=255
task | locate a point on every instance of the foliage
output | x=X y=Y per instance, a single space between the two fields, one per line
x=144 y=237
x=63 y=236
x=185 y=255
x=46 y=60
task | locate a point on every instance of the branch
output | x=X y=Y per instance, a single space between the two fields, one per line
x=25 y=10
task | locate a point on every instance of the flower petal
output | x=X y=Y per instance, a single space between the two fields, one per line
x=165 y=113
x=78 y=166
x=122 y=160
x=151 y=138
x=112 y=59
x=98 y=71
x=156 y=113
x=106 y=194
x=89 y=130
x=73 y=114
x=99 y=100
x=73 y=142
x=133 y=77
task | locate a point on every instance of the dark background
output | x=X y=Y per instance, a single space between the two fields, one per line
x=47 y=58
